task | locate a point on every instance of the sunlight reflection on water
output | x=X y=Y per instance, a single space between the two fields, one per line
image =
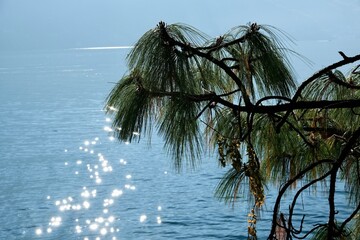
x=51 y=119
x=106 y=223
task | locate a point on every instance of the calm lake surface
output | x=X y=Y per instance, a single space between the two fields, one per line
x=63 y=176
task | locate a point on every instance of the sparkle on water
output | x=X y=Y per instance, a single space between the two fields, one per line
x=143 y=218
x=103 y=226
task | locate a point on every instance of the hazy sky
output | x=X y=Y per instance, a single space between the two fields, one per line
x=325 y=26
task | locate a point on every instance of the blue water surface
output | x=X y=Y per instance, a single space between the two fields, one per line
x=63 y=176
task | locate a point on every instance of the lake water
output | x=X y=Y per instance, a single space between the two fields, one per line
x=63 y=176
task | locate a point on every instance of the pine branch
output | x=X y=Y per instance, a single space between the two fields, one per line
x=286 y=186
x=313 y=78
x=170 y=41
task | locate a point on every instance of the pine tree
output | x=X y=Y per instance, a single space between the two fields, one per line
x=236 y=94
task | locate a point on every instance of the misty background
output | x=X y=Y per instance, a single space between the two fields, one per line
x=318 y=28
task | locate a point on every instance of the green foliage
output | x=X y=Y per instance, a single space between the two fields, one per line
x=356 y=227
x=166 y=67
x=229 y=186
x=263 y=63
x=132 y=104
x=236 y=94
x=181 y=131
x=322 y=233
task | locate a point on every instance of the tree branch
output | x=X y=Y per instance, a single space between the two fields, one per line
x=335 y=79
x=286 y=186
x=289 y=107
x=286 y=107
x=350 y=218
x=300 y=191
x=207 y=56
x=313 y=78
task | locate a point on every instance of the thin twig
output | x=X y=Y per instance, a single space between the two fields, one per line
x=286 y=186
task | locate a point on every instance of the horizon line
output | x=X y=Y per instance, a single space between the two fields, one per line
x=104 y=48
